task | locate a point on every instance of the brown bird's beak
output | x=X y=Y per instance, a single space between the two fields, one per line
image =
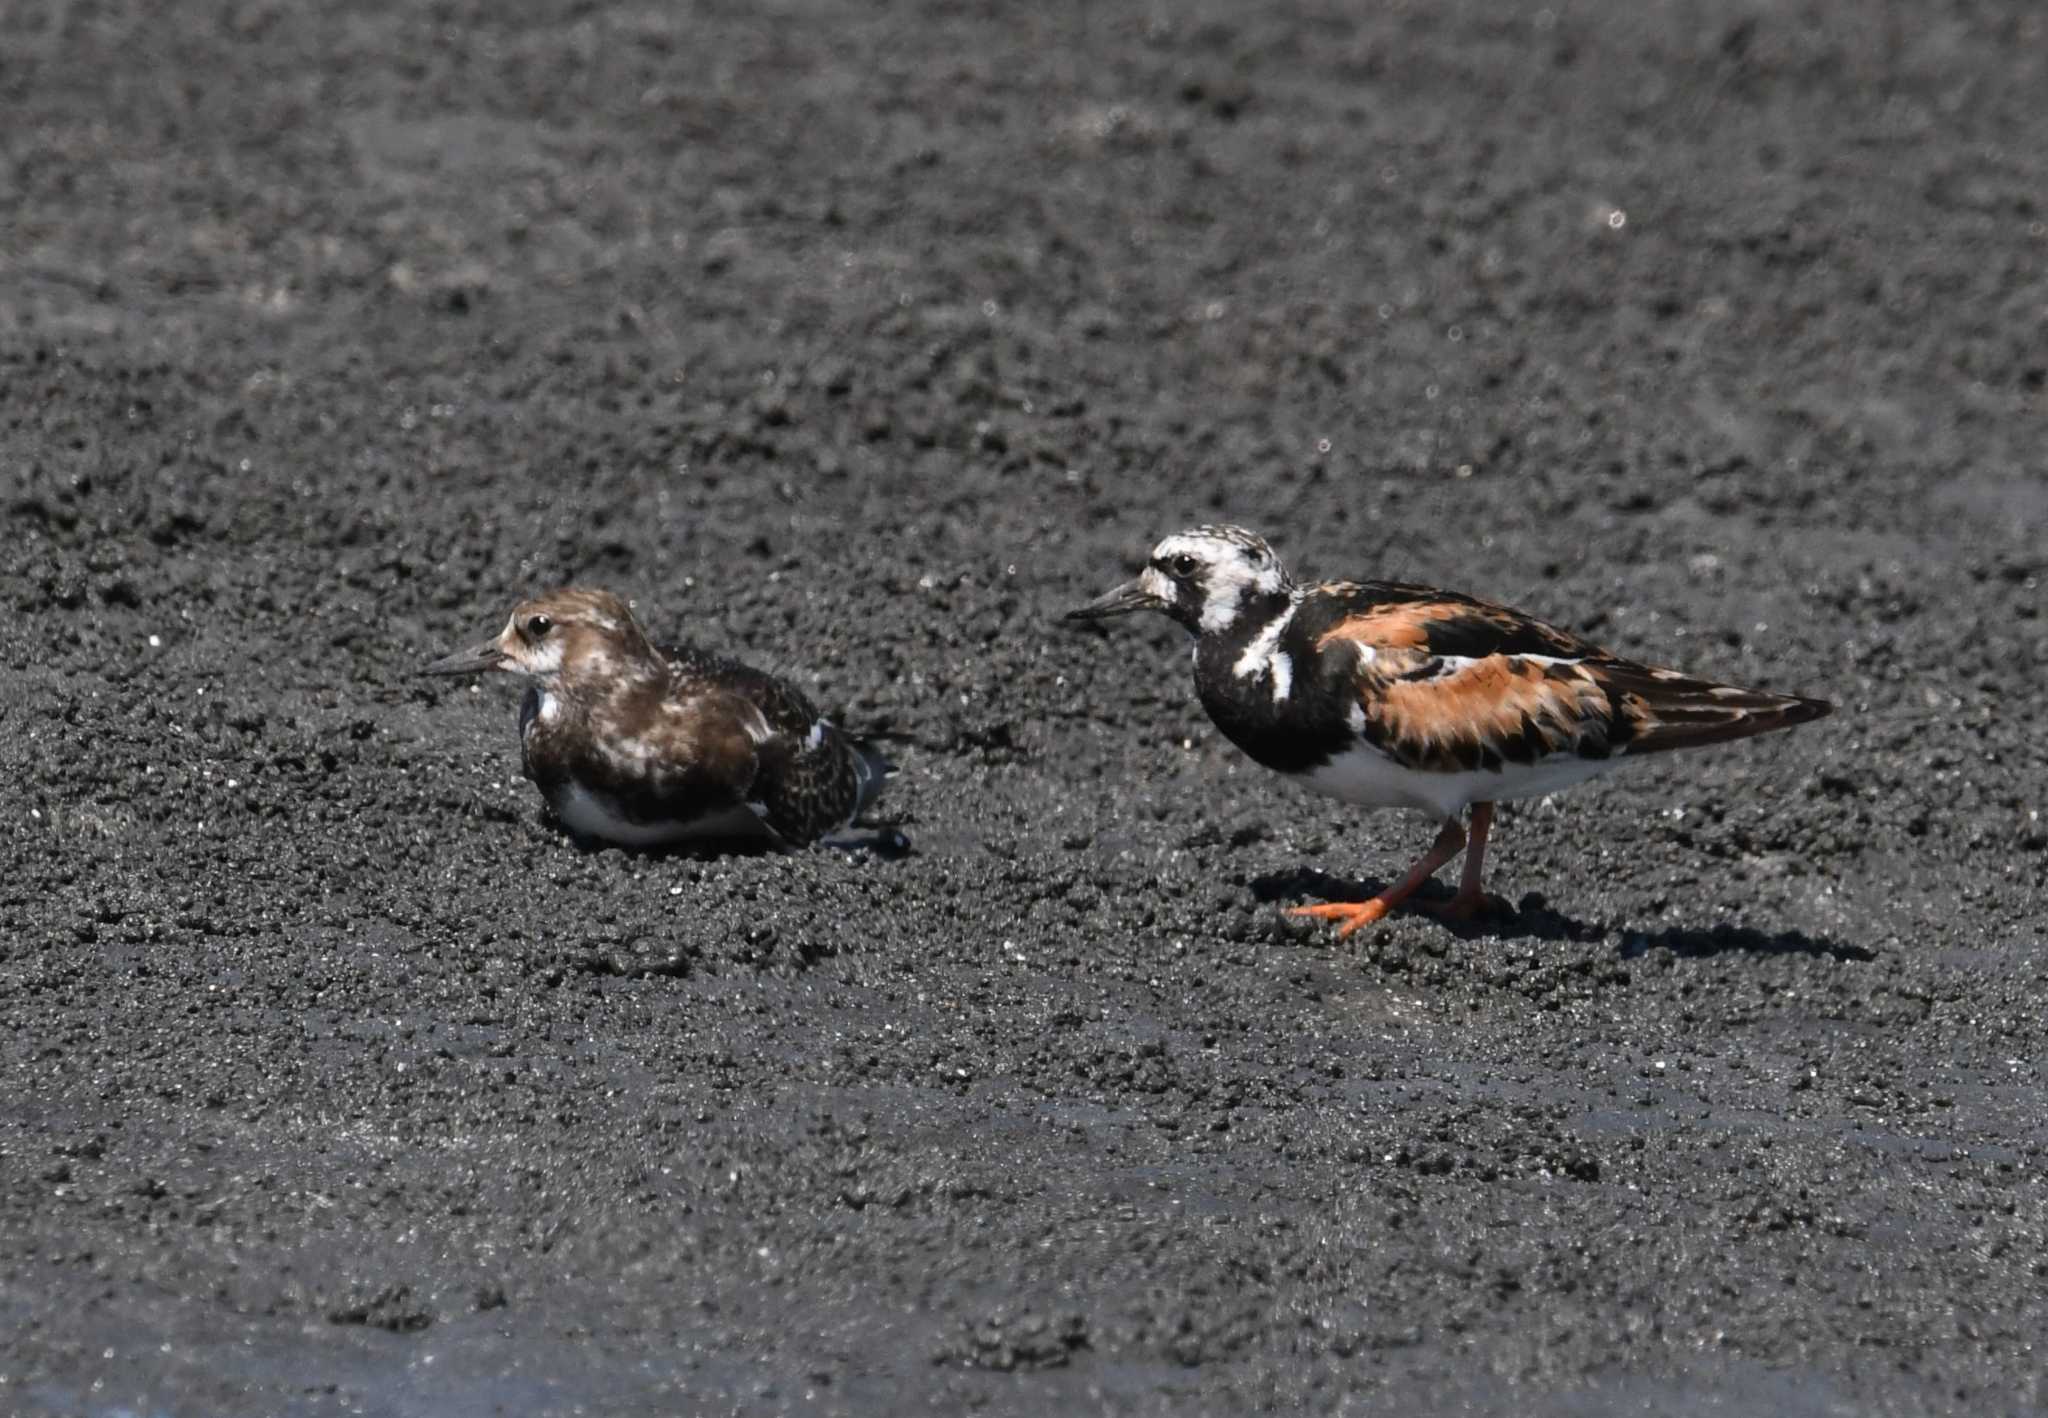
x=475 y=660
x=1129 y=597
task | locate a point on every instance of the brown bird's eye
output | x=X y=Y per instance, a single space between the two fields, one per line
x=1182 y=566
x=538 y=627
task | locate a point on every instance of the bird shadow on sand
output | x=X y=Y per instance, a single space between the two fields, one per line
x=891 y=844
x=1533 y=918
x=1695 y=942
x=888 y=844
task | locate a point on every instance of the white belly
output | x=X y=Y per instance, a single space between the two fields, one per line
x=591 y=814
x=1371 y=779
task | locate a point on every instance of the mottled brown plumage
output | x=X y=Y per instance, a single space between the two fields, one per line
x=634 y=744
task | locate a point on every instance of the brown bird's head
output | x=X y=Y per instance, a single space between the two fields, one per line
x=563 y=636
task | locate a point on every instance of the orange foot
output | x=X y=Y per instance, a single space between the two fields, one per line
x=1464 y=907
x=1350 y=914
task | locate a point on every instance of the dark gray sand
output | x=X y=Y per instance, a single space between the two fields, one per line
x=333 y=1080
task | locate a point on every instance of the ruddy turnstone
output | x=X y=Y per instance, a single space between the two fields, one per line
x=1392 y=695
x=644 y=746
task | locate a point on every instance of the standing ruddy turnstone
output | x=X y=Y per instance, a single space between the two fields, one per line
x=645 y=747
x=1390 y=695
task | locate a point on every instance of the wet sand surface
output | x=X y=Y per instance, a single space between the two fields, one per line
x=863 y=342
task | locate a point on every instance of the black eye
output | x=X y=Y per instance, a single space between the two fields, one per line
x=1182 y=566
x=538 y=627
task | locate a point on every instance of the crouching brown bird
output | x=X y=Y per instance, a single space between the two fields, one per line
x=645 y=747
x=1392 y=695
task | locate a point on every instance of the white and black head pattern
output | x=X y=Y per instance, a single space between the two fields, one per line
x=1210 y=579
x=1206 y=577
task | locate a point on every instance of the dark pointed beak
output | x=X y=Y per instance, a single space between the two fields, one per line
x=475 y=660
x=1131 y=596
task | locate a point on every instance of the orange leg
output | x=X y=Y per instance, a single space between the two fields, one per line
x=1352 y=914
x=1471 y=899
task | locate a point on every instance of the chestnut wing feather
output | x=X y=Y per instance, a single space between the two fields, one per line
x=1450 y=714
x=1448 y=683
x=1387 y=614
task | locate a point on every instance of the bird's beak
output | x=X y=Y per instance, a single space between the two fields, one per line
x=474 y=660
x=1131 y=596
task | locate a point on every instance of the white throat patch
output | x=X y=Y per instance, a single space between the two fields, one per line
x=542 y=661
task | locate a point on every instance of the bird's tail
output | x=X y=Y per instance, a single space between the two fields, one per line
x=1669 y=709
x=871 y=773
